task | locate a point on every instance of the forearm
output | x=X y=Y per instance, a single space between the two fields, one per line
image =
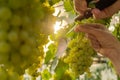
x=113 y=9
x=116 y=6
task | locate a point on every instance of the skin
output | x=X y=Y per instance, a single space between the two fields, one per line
x=101 y=39
x=81 y=7
x=103 y=42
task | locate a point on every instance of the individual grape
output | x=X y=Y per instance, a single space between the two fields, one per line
x=4 y=25
x=3 y=35
x=25 y=50
x=13 y=36
x=16 y=4
x=26 y=22
x=4 y=47
x=31 y=41
x=4 y=58
x=16 y=20
x=3 y=74
x=13 y=76
x=15 y=58
x=24 y=35
x=5 y=13
x=37 y=13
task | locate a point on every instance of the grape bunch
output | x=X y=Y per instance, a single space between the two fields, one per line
x=79 y=55
x=24 y=29
x=8 y=75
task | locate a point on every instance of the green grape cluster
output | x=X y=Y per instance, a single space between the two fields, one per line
x=79 y=52
x=79 y=55
x=8 y=75
x=24 y=29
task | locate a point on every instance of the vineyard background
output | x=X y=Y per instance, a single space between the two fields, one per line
x=45 y=28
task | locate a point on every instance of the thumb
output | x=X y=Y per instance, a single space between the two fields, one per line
x=98 y=30
x=89 y=28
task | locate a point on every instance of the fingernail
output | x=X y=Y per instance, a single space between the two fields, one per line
x=76 y=29
x=96 y=11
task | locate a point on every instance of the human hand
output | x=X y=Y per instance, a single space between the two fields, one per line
x=103 y=42
x=101 y=39
x=107 y=12
x=81 y=6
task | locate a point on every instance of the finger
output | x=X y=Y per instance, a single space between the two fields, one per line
x=97 y=14
x=107 y=12
x=80 y=6
x=84 y=28
x=94 y=29
x=98 y=26
x=94 y=42
x=79 y=18
x=90 y=28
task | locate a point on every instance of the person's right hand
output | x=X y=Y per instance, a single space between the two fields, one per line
x=107 y=12
x=81 y=7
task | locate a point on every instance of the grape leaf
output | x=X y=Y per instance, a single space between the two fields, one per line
x=60 y=69
x=52 y=2
x=50 y=53
x=68 y=5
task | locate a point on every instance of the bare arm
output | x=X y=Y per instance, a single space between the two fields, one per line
x=81 y=7
x=103 y=42
x=107 y=12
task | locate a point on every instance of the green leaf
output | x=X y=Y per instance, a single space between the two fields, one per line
x=52 y=2
x=118 y=77
x=42 y=1
x=50 y=53
x=68 y=5
x=60 y=69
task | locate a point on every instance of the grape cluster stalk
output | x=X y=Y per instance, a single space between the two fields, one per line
x=24 y=29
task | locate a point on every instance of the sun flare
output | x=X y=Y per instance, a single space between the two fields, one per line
x=57 y=26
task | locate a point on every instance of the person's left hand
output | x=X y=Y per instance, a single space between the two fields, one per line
x=103 y=42
x=101 y=39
